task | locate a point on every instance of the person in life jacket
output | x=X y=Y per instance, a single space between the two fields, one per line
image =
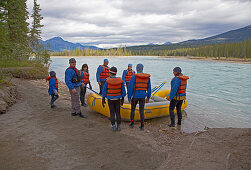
x=102 y=74
x=53 y=88
x=139 y=92
x=73 y=80
x=86 y=81
x=127 y=75
x=177 y=95
x=114 y=91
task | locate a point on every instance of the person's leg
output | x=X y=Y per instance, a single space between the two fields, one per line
x=134 y=102
x=82 y=99
x=101 y=87
x=111 y=105
x=73 y=111
x=141 y=111
x=118 y=116
x=171 y=112
x=179 y=113
x=76 y=103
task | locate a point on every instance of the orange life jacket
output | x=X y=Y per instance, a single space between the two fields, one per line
x=114 y=86
x=129 y=75
x=86 y=79
x=56 y=84
x=105 y=72
x=183 y=85
x=141 y=81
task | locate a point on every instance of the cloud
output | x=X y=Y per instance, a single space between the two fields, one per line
x=130 y=22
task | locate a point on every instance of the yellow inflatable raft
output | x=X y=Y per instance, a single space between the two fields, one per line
x=157 y=107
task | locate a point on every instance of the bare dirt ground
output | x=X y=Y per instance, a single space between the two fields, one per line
x=34 y=136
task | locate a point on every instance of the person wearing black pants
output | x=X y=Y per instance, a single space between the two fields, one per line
x=177 y=95
x=102 y=74
x=114 y=91
x=114 y=106
x=86 y=80
x=139 y=92
x=175 y=103
x=134 y=103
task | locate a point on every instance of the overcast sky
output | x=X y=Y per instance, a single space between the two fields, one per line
x=108 y=23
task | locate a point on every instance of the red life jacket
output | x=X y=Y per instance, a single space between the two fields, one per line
x=129 y=75
x=56 y=84
x=183 y=85
x=114 y=86
x=86 y=79
x=105 y=72
x=141 y=81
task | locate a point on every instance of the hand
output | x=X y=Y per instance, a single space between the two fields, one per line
x=122 y=101
x=99 y=83
x=147 y=100
x=55 y=92
x=167 y=98
x=83 y=84
x=103 y=102
x=74 y=91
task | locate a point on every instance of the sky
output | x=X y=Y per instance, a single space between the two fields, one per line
x=111 y=23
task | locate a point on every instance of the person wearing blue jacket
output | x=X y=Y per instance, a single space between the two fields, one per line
x=102 y=74
x=139 y=92
x=177 y=95
x=73 y=80
x=114 y=91
x=127 y=75
x=53 y=88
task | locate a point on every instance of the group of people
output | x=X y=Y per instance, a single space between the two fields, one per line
x=112 y=89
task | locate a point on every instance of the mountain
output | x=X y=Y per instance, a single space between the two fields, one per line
x=230 y=36
x=166 y=43
x=58 y=44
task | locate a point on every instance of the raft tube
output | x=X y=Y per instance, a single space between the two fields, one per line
x=157 y=107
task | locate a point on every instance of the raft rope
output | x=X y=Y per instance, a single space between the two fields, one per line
x=162 y=84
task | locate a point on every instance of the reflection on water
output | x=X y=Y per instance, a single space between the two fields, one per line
x=218 y=93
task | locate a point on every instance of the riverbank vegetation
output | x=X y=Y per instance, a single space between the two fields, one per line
x=94 y=52
x=20 y=45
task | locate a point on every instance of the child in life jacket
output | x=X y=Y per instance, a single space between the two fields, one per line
x=53 y=88
x=86 y=80
x=114 y=91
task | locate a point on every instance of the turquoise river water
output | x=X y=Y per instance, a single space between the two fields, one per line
x=219 y=94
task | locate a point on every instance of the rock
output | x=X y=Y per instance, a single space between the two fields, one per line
x=7 y=97
x=3 y=106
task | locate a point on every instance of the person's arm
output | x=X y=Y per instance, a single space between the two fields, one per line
x=149 y=92
x=99 y=70
x=124 y=75
x=123 y=90
x=175 y=86
x=131 y=87
x=68 y=77
x=104 y=91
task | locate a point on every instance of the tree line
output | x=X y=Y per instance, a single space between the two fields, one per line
x=121 y=51
x=226 y=49
x=18 y=42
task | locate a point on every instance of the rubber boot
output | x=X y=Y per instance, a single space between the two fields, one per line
x=142 y=127
x=84 y=104
x=131 y=125
x=82 y=115
x=179 y=122
x=113 y=128
x=172 y=123
x=118 y=127
x=53 y=106
x=74 y=114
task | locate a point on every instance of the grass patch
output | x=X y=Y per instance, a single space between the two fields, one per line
x=16 y=63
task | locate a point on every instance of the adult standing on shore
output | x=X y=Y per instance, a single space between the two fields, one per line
x=177 y=95
x=139 y=92
x=127 y=75
x=102 y=74
x=73 y=80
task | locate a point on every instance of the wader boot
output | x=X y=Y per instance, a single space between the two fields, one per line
x=82 y=115
x=113 y=128
x=74 y=114
x=179 y=122
x=142 y=127
x=131 y=125
x=118 y=127
x=172 y=123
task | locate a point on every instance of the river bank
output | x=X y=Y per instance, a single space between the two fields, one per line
x=34 y=136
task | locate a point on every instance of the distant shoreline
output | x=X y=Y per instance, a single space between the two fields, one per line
x=210 y=59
